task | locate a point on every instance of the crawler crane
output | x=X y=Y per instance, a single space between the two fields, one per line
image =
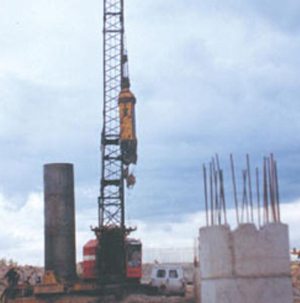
x=114 y=251
x=112 y=261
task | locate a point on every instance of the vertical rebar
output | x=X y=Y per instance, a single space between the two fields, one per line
x=250 y=188
x=265 y=188
x=277 y=191
x=205 y=193
x=258 y=196
x=218 y=171
x=211 y=194
x=217 y=199
x=245 y=198
x=216 y=206
x=267 y=211
x=271 y=192
x=273 y=187
x=222 y=194
x=234 y=190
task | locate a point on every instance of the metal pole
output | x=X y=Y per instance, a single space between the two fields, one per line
x=245 y=199
x=250 y=188
x=266 y=204
x=217 y=212
x=223 y=196
x=234 y=190
x=205 y=193
x=211 y=194
x=269 y=170
x=258 y=196
x=277 y=192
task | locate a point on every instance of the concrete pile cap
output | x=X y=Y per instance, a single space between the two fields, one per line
x=245 y=251
x=245 y=265
x=263 y=252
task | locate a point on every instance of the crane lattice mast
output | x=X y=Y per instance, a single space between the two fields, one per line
x=119 y=142
x=111 y=200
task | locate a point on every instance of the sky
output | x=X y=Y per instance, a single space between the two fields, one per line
x=209 y=76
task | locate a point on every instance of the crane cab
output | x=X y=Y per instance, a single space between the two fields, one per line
x=112 y=259
x=133 y=259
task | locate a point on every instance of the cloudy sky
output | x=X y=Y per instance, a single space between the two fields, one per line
x=209 y=77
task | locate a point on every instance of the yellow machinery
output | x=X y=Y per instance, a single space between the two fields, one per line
x=127 y=126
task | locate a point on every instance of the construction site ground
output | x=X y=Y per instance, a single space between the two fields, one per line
x=189 y=297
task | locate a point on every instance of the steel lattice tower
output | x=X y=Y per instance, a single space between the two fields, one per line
x=111 y=199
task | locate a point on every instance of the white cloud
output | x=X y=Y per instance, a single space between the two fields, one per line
x=41 y=40
x=22 y=230
x=214 y=76
x=290 y=215
x=183 y=232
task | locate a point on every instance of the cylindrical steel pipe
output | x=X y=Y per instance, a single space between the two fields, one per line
x=60 y=251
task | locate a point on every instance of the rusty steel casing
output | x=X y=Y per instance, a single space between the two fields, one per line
x=60 y=251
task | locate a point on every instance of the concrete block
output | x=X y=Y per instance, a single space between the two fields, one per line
x=245 y=265
x=220 y=291
x=265 y=290
x=275 y=237
x=263 y=252
x=216 y=252
x=247 y=290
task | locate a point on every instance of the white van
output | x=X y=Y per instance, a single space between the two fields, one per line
x=169 y=279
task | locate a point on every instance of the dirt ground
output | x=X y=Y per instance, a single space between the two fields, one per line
x=26 y=271
x=189 y=298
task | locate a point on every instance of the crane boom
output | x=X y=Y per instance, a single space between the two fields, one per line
x=118 y=146
x=119 y=143
x=111 y=200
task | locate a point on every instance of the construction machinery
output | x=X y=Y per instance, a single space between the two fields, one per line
x=119 y=151
x=112 y=261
